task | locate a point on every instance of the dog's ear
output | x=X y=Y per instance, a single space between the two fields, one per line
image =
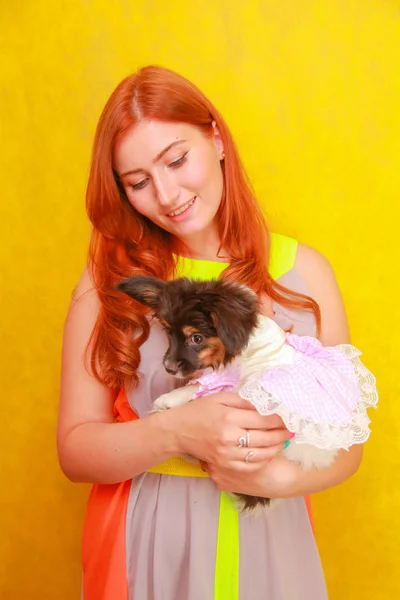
x=234 y=315
x=143 y=289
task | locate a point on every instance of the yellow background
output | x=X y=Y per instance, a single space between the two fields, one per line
x=311 y=90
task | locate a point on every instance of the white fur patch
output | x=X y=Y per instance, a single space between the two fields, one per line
x=309 y=456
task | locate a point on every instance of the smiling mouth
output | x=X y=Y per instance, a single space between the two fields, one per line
x=182 y=209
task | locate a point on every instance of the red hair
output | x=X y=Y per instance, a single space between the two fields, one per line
x=124 y=243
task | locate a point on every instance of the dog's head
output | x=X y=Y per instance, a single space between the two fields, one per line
x=208 y=322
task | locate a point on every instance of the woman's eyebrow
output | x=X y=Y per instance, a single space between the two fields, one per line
x=157 y=158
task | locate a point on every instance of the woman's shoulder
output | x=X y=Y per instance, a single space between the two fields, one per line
x=84 y=304
x=300 y=255
x=312 y=264
x=287 y=253
x=319 y=276
x=85 y=284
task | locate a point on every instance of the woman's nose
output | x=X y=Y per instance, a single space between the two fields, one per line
x=167 y=190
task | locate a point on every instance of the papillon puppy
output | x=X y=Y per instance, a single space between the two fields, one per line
x=215 y=326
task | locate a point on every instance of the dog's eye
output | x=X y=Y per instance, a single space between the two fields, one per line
x=197 y=339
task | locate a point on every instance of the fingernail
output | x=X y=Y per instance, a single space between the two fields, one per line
x=286 y=444
x=292 y=435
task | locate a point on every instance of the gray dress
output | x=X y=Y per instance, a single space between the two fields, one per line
x=172 y=521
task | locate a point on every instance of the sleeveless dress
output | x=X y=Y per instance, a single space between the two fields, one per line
x=163 y=536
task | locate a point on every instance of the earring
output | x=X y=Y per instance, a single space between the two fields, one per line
x=223 y=156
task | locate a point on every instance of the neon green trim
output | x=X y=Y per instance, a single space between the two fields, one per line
x=282 y=258
x=282 y=255
x=178 y=466
x=226 y=582
x=199 y=269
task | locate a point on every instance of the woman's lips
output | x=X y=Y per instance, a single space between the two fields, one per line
x=181 y=213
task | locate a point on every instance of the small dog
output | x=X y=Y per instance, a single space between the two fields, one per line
x=209 y=326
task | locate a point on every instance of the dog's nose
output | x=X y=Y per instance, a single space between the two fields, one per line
x=170 y=366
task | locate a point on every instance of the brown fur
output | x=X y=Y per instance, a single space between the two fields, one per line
x=188 y=331
x=214 y=354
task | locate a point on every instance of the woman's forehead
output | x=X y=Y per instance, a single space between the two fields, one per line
x=148 y=139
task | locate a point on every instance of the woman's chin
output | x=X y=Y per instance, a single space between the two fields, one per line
x=204 y=230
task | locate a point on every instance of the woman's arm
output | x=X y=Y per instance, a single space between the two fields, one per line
x=280 y=477
x=91 y=447
x=320 y=279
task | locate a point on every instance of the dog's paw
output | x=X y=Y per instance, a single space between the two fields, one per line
x=162 y=403
x=177 y=397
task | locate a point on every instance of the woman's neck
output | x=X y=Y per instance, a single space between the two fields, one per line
x=203 y=246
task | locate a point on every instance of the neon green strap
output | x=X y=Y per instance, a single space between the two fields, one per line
x=226 y=582
x=282 y=258
x=282 y=255
x=199 y=269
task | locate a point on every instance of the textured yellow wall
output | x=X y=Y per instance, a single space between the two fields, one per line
x=311 y=90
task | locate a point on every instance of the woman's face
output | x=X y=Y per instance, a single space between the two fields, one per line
x=171 y=173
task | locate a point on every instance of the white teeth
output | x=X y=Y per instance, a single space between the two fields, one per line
x=182 y=209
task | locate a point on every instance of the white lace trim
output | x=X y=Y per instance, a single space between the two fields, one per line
x=322 y=435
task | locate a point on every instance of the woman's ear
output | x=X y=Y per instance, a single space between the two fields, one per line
x=218 y=141
x=143 y=289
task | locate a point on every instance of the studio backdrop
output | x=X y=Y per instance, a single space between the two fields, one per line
x=311 y=91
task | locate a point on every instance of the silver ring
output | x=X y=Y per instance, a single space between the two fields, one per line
x=242 y=442
x=248 y=456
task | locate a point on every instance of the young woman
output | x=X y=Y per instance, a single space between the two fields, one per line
x=167 y=195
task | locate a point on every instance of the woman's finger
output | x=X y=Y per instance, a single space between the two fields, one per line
x=247 y=419
x=247 y=412
x=256 y=459
x=258 y=455
x=258 y=438
x=232 y=400
x=272 y=422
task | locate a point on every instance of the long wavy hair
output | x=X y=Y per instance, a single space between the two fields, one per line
x=124 y=242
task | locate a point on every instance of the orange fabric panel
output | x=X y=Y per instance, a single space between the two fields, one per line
x=122 y=409
x=307 y=500
x=103 y=551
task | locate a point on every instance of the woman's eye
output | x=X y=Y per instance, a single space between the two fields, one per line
x=179 y=161
x=139 y=185
x=197 y=339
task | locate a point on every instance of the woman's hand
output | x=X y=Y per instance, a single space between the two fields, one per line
x=273 y=479
x=282 y=478
x=222 y=430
